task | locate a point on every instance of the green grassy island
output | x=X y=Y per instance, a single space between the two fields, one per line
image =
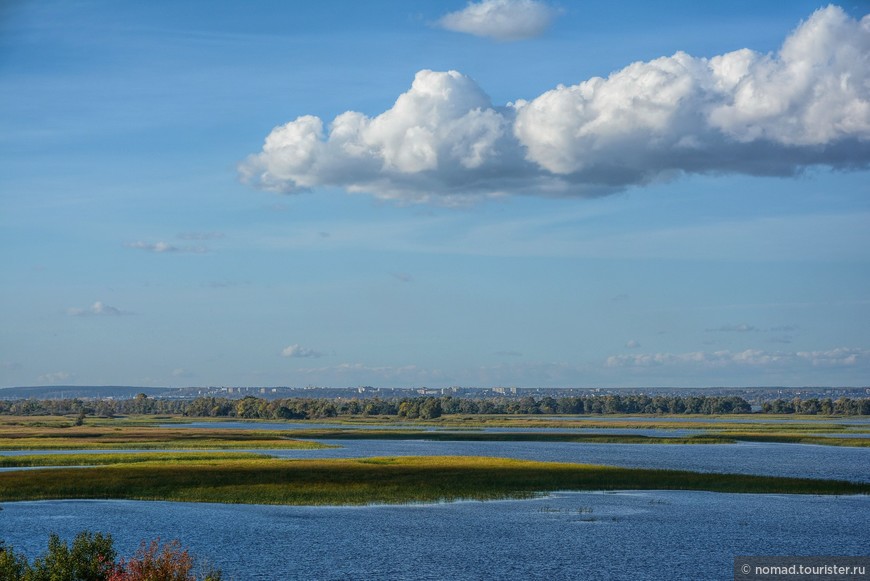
x=371 y=480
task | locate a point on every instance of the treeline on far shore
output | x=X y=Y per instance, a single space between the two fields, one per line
x=428 y=407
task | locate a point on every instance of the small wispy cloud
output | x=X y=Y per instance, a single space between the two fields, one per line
x=506 y=20
x=201 y=235
x=403 y=277
x=98 y=309
x=224 y=284
x=839 y=357
x=164 y=247
x=380 y=374
x=56 y=377
x=508 y=353
x=740 y=328
x=298 y=351
x=632 y=344
x=152 y=246
x=746 y=328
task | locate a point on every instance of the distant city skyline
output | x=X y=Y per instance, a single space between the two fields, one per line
x=406 y=194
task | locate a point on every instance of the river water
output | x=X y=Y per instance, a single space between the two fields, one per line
x=656 y=535
x=769 y=459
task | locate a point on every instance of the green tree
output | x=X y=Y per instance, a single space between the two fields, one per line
x=468 y=406
x=810 y=406
x=826 y=407
x=91 y=558
x=409 y=409
x=12 y=567
x=141 y=404
x=528 y=405
x=612 y=404
x=570 y=405
x=248 y=407
x=548 y=405
x=430 y=409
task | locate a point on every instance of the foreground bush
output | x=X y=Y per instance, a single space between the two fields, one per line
x=93 y=558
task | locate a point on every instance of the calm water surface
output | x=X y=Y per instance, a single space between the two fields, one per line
x=769 y=459
x=638 y=535
x=311 y=426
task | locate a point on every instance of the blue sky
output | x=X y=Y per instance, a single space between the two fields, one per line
x=696 y=216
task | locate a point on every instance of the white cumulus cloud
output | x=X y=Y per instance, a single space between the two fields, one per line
x=444 y=141
x=501 y=19
x=297 y=350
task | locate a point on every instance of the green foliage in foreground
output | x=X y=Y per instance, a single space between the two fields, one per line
x=92 y=557
x=377 y=480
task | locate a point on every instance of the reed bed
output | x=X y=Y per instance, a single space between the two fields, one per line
x=577 y=437
x=744 y=423
x=41 y=434
x=478 y=436
x=826 y=424
x=787 y=438
x=375 y=481
x=57 y=460
x=29 y=437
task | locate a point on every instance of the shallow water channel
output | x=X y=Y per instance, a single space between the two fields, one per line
x=764 y=458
